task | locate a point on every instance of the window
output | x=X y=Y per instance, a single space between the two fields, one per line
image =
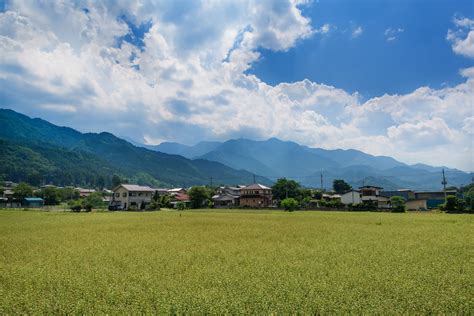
x=133 y=194
x=124 y=194
x=140 y=194
x=117 y=194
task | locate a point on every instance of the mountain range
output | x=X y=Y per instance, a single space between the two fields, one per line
x=37 y=151
x=274 y=158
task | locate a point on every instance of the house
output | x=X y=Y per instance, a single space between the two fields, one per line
x=177 y=190
x=32 y=202
x=351 y=197
x=85 y=192
x=227 y=197
x=256 y=195
x=331 y=197
x=372 y=193
x=131 y=196
x=181 y=197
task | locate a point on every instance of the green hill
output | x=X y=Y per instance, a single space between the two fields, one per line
x=35 y=150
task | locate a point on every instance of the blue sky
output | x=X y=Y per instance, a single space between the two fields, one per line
x=389 y=78
x=369 y=64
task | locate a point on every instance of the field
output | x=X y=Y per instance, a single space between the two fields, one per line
x=236 y=262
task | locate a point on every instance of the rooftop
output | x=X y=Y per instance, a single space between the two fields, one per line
x=256 y=186
x=134 y=187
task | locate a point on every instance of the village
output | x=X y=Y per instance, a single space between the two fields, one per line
x=133 y=197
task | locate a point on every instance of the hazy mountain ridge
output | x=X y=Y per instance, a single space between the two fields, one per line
x=274 y=158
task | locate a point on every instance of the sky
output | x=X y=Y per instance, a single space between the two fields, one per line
x=392 y=78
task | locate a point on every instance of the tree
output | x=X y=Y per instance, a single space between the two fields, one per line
x=22 y=190
x=289 y=204
x=198 y=195
x=154 y=203
x=68 y=193
x=116 y=181
x=284 y=188
x=95 y=199
x=469 y=198
x=398 y=204
x=50 y=195
x=341 y=186
x=451 y=204
x=75 y=205
x=165 y=200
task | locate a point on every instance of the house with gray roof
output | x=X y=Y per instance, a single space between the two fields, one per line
x=131 y=196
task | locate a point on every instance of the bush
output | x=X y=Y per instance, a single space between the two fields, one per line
x=87 y=207
x=364 y=206
x=451 y=204
x=289 y=204
x=75 y=205
x=398 y=204
x=180 y=206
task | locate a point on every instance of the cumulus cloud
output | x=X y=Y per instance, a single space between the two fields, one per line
x=462 y=38
x=155 y=71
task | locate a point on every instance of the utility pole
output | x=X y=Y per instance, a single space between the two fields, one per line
x=321 y=182
x=444 y=182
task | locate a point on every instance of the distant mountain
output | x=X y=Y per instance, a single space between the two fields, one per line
x=274 y=158
x=61 y=155
x=197 y=150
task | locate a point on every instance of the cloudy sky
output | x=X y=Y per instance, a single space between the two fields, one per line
x=387 y=77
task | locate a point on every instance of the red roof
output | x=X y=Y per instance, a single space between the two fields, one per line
x=181 y=197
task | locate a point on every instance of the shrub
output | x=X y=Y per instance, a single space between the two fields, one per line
x=289 y=204
x=75 y=205
x=180 y=206
x=398 y=204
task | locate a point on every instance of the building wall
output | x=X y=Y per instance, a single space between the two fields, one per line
x=257 y=201
x=133 y=199
x=416 y=205
x=351 y=197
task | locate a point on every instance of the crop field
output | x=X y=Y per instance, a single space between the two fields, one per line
x=235 y=262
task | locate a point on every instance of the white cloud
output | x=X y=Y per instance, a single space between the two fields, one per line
x=462 y=38
x=392 y=34
x=357 y=32
x=324 y=29
x=188 y=81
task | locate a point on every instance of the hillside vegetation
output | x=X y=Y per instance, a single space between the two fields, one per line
x=37 y=151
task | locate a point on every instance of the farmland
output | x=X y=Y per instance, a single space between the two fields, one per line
x=235 y=262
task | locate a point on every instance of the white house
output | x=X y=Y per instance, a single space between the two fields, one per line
x=128 y=196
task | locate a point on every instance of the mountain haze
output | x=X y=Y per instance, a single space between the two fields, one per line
x=275 y=158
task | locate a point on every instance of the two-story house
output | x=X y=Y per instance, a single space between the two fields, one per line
x=256 y=195
x=227 y=197
x=373 y=193
x=131 y=196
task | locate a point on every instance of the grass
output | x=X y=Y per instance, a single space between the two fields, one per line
x=235 y=262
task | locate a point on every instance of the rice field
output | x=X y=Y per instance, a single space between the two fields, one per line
x=235 y=262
